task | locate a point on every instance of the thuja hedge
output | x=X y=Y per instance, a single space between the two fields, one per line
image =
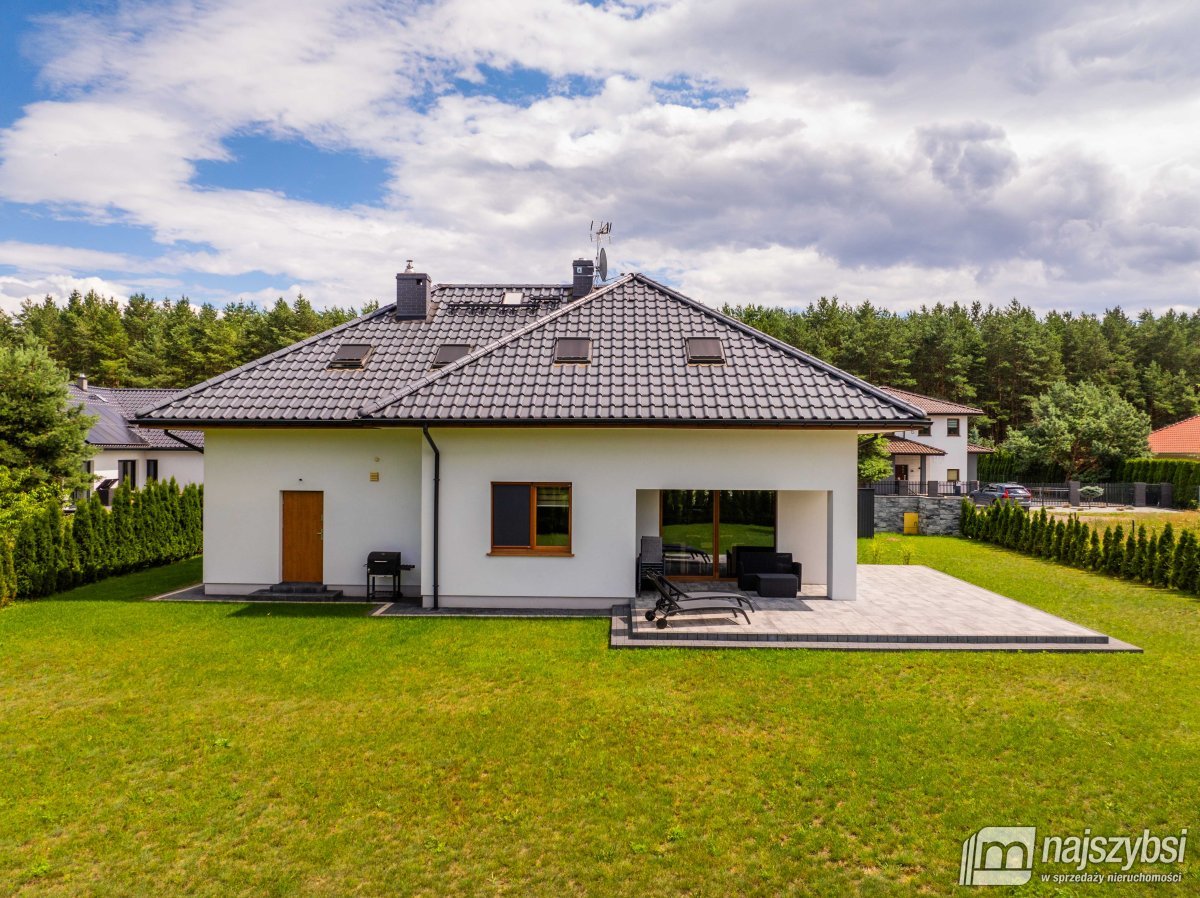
x=1160 y=560
x=1182 y=473
x=52 y=551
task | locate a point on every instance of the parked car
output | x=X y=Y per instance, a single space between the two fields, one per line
x=1012 y=492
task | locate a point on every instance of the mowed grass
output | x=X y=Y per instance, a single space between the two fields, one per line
x=217 y=750
x=1152 y=520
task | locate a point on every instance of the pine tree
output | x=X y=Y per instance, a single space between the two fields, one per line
x=1166 y=554
x=103 y=553
x=1181 y=563
x=1132 y=561
x=121 y=531
x=1116 y=555
x=41 y=434
x=1149 y=557
x=1095 y=556
x=8 y=574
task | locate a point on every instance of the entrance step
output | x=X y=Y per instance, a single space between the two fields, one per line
x=298 y=592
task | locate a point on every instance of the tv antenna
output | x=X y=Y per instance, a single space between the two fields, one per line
x=601 y=234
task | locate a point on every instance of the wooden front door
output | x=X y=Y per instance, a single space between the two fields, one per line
x=303 y=537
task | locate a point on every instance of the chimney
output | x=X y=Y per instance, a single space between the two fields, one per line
x=412 y=295
x=585 y=271
x=81 y=379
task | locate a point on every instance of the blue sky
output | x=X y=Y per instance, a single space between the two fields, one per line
x=751 y=152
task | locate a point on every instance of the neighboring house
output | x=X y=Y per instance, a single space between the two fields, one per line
x=514 y=442
x=126 y=451
x=940 y=450
x=1178 y=440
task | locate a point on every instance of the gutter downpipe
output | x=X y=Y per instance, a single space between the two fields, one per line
x=437 y=490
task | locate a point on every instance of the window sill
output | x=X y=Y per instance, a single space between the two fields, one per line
x=529 y=553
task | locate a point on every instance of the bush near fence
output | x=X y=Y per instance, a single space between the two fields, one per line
x=1160 y=560
x=1182 y=473
x=51 y=551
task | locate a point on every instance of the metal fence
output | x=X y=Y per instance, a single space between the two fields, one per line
x=925 y=487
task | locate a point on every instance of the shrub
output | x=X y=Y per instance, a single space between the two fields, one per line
x=1162 y=559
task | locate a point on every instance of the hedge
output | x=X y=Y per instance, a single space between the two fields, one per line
x=1163 y=559
x=1182 y=473
x=52 y=551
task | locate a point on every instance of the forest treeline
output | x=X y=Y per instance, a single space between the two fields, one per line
x=998 y=358
x=1001 y=358
x=150 y=343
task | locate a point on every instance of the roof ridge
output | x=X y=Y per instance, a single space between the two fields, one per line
x=422 y=382
x=262 y=360
x=1175 y=424
x=796 y=352
x=486 y=286
x=962 y=405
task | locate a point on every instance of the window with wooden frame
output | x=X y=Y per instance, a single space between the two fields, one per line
x=952 y=475
x=531 y=519
x=952 y=427
x=925 y=431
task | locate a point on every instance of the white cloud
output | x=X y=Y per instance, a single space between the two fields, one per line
x=14 y=290
x=928 y=152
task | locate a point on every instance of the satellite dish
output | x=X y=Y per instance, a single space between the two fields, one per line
x=603 y=265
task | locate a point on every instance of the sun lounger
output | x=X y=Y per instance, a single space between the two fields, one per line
x=673 y=601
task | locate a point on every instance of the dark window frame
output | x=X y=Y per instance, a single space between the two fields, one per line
x=956 y=430
x=698 y=355
x=122 y=477
x=450 y=350
x=152 y=470
x=957 y=475
x=345 y=358
x=926 y=431
x=567 y=354
x=533 y=549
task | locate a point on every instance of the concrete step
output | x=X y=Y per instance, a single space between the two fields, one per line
x=297 y=592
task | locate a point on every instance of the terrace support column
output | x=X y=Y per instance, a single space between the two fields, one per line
x=842 y=546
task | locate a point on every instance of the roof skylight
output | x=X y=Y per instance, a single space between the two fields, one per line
x=450 y=352
x=572 y=350
x=351 y=355
x=705 y=351
x=513 y=297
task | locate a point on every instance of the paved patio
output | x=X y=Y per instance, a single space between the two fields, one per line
x=898 y=607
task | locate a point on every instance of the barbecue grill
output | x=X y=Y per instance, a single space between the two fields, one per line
x=384 y=566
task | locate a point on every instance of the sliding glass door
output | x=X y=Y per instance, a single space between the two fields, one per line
x=699 y=527
x=744 y=518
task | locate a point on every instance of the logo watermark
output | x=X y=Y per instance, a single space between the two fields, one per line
x=1005 y=855
x=998 y=856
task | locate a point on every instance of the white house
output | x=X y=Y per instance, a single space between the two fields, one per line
x=514 y=442
x=939 y=450
x=127 y=452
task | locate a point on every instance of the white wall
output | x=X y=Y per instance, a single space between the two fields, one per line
x=955 y=448
x=802 y=528
x=607 y=468
x=247 y=471
x=184 y=465
x=649 y=515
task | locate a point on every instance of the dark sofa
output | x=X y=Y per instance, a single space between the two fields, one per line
x=747 y=562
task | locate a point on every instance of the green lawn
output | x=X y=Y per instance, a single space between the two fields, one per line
x=218 y=750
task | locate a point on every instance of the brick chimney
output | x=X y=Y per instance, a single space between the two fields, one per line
x=81 y=380
x=584 y=277
x=412 y=295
